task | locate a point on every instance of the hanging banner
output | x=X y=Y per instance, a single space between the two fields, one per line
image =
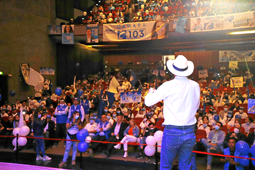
x=240 y=56
x=130 y=97
x=25 y=69
x=236 y=82
x=92 y=33
x=47 y=70
x=233 y=64
x=135 y=31
x=251 y=106
x=67 y=34
x=222 y=22
x=202 y=73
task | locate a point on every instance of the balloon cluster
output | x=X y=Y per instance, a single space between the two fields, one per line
x=150 y=149
x=84 y=139
x=252 y=151
x=12 y=93
x=244 y=149
x=23 y=131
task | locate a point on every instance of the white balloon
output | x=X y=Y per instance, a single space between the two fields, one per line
x=149 y=150
x=158 y=135
x=22 y=141
x=150 y=141
x=16 y=131
x=24 y=131
x=88 y=139
x=14 y=141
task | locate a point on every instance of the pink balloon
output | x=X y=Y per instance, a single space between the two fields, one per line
x=149 y=150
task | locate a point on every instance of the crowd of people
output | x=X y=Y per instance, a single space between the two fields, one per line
x=222 y=115
x=111 y=11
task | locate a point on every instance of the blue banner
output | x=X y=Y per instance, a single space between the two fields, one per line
x=67 y=38
x=130 y=97
x=92 y=33
x=251 y=106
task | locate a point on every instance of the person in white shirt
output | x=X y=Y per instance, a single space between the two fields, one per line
x=113 y=108
x=205 y=126
x=121 y=88
x=109 y=118
x=91 y=127
x=248 y=125
x=141 y=113
x=241 y=113
x=114 y=115
x=181 y=98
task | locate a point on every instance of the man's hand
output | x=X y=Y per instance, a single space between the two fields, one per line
x=232 y=162
x=214 y=144
x=223 y=160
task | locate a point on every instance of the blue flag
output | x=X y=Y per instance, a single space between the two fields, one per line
x=133 y=79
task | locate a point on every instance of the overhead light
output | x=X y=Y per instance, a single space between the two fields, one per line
x=242 y=32
x=1 y=73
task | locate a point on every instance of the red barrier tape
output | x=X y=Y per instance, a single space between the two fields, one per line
x=134 y=144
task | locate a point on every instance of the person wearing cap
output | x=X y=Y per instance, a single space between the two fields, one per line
x=241 y=113
x=49 y=131
x=141 y=113
x=181 y=98
x=236 y=106
x=113 y=108
x=60 y=113
x=76 y=107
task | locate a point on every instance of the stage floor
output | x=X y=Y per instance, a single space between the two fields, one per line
x=98 y=162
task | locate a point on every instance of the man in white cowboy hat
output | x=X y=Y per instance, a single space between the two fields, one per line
x=181 y=101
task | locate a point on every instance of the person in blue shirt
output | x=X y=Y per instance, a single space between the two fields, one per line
x=86 y=106
x=61 y=117
x=76 y=107
x=73 y=125
x=231 y=163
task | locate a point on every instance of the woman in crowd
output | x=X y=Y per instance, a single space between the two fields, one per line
x=130 y=135
x=73 y=125
x=38 y=128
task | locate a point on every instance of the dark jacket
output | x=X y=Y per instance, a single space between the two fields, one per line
x=250 y=139
x=51 y=126
x=123 y=126
x=240 y=136
x=38 y=126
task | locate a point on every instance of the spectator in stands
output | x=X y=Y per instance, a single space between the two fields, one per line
x=130 y=135
x=248 y=125
x=8 y=130
x=214 y=142
x=127 y=84
x=109 y=118
x=218 y=103
x=237 y=134
x=60 y=113
x=241 y=113
x=68 y=29
x=49 y=131
x=141 y=113
x=77 y=107
x=224 y=113
x=117 y=134
x=38 y=126
x=114 y=115
x=103 y=132
x=111 y=7
x=149 y=131
x=73 y=125
x=231 y=163
x=92 y=127
x=205 y=126
x=235 y=106
x=251 y=138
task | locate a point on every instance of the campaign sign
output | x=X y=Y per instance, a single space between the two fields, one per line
x=67 y=38
x=92 y=33
x=251 y=106
x=130 y=97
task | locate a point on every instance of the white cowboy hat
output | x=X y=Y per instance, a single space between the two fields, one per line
x=180 y=66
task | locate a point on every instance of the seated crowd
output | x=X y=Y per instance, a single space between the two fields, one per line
x=116 y=11
x=220 y=117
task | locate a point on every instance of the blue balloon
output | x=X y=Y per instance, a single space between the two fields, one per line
x=12 y=93
x=83 y=146
x=82 y=134
x=244 y=162
x=0 y=97
x=243 y=147
x=253 y=162
x=80 y=92
x=58 y=91
x=216 y=118
x=252 y=150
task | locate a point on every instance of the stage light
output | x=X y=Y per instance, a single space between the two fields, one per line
x=242 y=32
x=1 y=73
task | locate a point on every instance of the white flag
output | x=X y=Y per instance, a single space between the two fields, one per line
x=35 y=79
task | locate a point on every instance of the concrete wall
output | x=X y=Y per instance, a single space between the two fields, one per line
x=24 y=39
